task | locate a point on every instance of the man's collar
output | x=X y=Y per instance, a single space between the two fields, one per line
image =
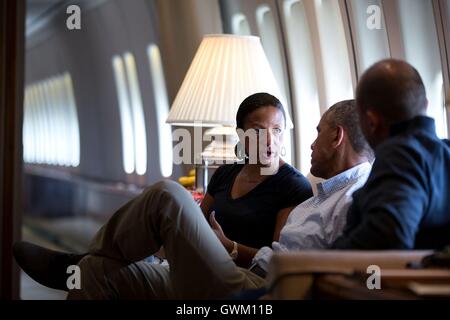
x=422 y=123
x=343 y=179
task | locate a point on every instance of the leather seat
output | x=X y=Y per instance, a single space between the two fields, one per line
x=291 y=275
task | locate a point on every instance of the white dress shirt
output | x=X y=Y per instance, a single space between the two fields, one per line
x=318 y=221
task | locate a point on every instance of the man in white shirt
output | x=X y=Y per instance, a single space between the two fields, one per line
x=200 y=267
x=340 y=155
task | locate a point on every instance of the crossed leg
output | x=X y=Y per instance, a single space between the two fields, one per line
x=164 y=214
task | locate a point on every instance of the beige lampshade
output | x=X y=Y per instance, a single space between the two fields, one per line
x=225 y=70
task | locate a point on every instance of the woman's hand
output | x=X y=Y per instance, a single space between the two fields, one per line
x=245 y=254
x=227 y=243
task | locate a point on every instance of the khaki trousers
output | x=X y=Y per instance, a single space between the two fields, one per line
x=164 y=214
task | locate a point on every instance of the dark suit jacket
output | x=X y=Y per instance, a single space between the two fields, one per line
x=405 y=202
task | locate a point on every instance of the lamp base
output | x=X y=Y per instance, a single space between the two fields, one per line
x=219 y=151
x=203 y=173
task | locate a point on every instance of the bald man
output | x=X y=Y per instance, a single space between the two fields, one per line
x=405 y=202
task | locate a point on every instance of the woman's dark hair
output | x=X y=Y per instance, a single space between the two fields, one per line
x=255 y=101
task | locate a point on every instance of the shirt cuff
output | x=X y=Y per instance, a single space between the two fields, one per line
x=262 y=257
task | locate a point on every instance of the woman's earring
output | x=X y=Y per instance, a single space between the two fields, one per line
x=283 y=151
x=240 y=152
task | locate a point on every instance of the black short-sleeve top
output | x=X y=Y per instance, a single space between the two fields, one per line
x=250 y=219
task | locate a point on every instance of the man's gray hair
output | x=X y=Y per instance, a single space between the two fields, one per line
x=345 y=114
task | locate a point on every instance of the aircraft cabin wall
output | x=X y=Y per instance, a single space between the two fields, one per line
x=115 y=36
x=110 y=30
x=317 y=50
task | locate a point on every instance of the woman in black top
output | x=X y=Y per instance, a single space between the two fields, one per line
x=246 y=206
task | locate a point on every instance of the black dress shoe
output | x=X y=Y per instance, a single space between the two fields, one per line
x=48 y=267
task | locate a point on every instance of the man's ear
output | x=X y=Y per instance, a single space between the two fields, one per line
x=373 y=121
x=339 y=136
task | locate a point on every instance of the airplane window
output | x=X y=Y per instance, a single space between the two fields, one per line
x=35 y=140
x=52 y=118
x=304 y=81
x=371 y=41
x=50 y=128
x=62 y=121
x=27 y=130
x=45 y=155
x=271 y=44
x=239 y=25
x=126 y=119
x=162 y=110
x=48 y=138
x=417 y=26
x=74 y=152
x=37 y=120
x=45 y=125
x=134 y=139
x=137 y=111
x=56 y=155
x=38 y=124
x=333 y=51
x=269 y=40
